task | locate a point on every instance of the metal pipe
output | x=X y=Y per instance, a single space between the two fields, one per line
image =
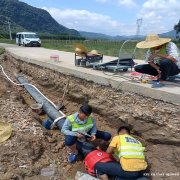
x=47 y=105
x=119 y=58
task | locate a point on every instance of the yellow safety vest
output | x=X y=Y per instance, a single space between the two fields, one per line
x=80 y=127
x=130 y=148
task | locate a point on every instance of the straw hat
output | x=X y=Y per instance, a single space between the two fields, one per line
x=5 y=131
x=94 y=52
x=80 y=48
x=152 y=40
x=77 y=50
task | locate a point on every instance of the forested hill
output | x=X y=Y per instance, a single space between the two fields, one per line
x=25 y=17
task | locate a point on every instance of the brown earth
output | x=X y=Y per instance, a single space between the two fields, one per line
x=32 y=148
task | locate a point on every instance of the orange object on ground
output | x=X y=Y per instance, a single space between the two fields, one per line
x=94 y=157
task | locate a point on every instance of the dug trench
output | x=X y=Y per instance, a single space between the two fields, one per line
x=31 y=150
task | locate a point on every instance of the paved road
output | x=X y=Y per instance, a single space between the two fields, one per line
x=41 y=56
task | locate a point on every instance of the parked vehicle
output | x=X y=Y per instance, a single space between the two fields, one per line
x=27 y=39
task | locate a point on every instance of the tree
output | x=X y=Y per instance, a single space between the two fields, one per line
x=30 y=18
x=177 y=28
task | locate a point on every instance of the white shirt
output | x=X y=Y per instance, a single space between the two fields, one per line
x=171 y=49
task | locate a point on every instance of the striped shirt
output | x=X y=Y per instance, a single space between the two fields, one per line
x=171 y=50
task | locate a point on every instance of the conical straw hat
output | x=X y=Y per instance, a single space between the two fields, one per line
x=94 y=52
x=81 y=48
x=5 y=131
x=152 y=40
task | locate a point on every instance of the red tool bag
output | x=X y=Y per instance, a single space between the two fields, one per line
x=93 y=157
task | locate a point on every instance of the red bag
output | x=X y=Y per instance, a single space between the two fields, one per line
x=93 y=157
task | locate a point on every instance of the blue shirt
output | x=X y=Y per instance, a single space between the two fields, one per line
x=67 y=127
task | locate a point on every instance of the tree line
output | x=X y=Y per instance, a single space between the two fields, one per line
x=177 y=28
x=47 y=36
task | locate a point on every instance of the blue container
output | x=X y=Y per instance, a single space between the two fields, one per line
x=47 y=123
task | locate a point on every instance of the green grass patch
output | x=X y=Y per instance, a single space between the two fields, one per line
x=2 y=51
x=109 y=48
x=7 y=41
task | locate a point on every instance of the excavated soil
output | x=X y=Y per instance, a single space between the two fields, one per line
x=32 y=148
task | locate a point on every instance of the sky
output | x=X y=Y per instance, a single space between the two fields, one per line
x=113 y=17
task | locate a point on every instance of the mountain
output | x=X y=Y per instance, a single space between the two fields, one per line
x=92 y=35
x=25 y=17
x=132 y=37
x=171 y=34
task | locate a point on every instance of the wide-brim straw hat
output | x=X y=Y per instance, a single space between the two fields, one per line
x=152 y=40
x=5 y=131
x=94 y=52
x=80 y=48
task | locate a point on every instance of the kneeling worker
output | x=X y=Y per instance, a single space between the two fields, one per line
x=81 y=125
x=129 y=153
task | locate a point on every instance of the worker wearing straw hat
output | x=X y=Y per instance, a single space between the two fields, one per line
x=162 y=56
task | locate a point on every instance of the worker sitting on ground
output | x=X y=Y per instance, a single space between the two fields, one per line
x=129 y=153
x=81 y=125
x=162 y=56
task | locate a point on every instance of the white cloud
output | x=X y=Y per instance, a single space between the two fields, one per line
x=84 y=20
x=127 y=3
x=159 y=16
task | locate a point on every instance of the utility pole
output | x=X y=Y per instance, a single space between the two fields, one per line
x=138 y=26
x=9 y=26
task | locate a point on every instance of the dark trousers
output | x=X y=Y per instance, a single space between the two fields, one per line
x=70 y=140
x=167 y=67
x=114 y=169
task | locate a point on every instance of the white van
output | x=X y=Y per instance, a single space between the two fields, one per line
x=27 y=39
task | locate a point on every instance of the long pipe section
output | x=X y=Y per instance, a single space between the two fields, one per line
x=49 y=108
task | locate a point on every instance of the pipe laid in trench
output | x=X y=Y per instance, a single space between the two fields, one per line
x=48 y=107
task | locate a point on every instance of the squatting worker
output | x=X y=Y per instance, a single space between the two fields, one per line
x=77 y=126
x=162 y=56
x=129 y=153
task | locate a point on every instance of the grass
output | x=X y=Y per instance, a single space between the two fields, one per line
x=2 y=51
x=109 y=48
x=8 y=41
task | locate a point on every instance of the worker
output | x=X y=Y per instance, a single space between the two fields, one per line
x=162 y=56
x=128 y=151
x=79 y=126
